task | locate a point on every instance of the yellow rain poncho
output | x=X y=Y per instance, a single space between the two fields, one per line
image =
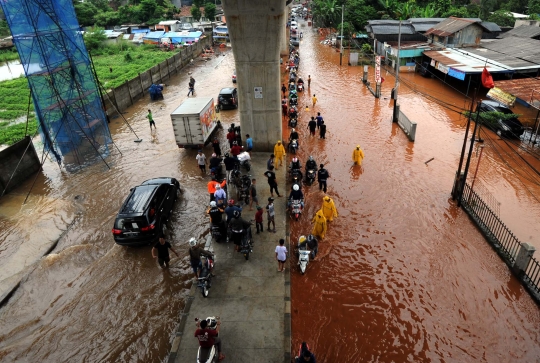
x=329 y=209
x=319 y=228
x=279 y=153
x=358 y=155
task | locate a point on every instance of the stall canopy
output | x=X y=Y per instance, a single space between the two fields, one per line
x=153 y=37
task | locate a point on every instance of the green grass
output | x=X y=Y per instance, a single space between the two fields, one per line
x=9 y=54
x=14 y=93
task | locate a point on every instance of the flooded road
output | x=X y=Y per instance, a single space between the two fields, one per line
x=92 y=300
x=403 y=275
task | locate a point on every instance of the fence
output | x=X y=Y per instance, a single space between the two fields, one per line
x=408 y=126
x=122 y=97
x=517 y=255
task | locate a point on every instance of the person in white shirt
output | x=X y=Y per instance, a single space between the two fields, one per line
x=281 y=255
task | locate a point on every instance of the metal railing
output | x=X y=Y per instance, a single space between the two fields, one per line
x=494 y=229
x=532 y=274
x=503 y=240
x=408 y=126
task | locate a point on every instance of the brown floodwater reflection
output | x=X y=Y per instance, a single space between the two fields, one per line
x=403 y=275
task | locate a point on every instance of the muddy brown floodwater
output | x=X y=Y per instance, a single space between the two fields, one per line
x=403 y=275
x=91 y=300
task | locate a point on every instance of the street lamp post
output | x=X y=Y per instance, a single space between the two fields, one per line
x=341 y=41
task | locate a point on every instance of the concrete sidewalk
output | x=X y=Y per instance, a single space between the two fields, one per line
x=251 y=297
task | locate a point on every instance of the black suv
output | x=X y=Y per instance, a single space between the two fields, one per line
x=228 y=98
x=145 y=211
x=510 y=128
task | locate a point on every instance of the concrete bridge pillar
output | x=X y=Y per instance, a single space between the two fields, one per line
x=256 y=29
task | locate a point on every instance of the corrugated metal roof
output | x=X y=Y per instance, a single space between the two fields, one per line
x=522 y=88
x=423 y=27
x=523 y=48
x=492 y=27
x=523 y=31
x=508 y=60
x=425 y=20
x=452 y=58
x=450 y=26
x=391 y=29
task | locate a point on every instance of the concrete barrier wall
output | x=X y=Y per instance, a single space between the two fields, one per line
x=120 y=98
x=16 y=168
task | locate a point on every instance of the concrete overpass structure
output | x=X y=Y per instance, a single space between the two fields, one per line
x=257 y=29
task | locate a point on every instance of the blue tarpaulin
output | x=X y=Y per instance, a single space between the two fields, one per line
x=182 y=37
x=134 y=31
x=154 y=35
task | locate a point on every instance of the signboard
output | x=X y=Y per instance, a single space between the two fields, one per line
x=497 y=94
x=441 y=67
x=258 y=92
x=378 y=69
x=452 y=72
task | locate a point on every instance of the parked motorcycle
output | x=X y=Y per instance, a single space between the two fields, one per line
x=245 y=160
x=218 y=232
x=293 y=146
x=205 y=275
x=310 y=176
x=242 y=191
x=208 y=355
x=247 y=244
x=296 y=209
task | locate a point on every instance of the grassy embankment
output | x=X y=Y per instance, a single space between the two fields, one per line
x=125 y=60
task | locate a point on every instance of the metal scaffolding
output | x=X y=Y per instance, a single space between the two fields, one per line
x=67 y=102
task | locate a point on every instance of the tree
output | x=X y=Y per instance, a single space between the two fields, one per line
x=404 y=11
x=147 y=10
x=458 y=12
x=85 y=13
x=95 y=38
x=326 y=12
x=196 y=13
x=534 y=6
x=357 y=12
x=428 y=12
x=502 y=18
x=107 y=18
x=210 y=11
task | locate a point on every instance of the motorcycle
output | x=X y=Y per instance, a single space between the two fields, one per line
x=300 y=87
x=247 y=244
x=293 y=122
x=303 y=257
x=296 y=177
x=244 y=159
x=205 y=275
x=310 y=176
x=216 y=171
x=217 y=232
x=293 y=101
x=293 y=146
x=242 y=191
x=296 y=208
x=208 y=355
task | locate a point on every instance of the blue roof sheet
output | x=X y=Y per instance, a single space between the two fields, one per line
x=154 y=35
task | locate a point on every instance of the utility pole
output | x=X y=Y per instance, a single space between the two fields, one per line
x=341 y=41
x=395 y=117
x=457 y=180
x=468 y=163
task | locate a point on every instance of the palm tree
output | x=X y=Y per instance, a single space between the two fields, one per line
x=326 y=12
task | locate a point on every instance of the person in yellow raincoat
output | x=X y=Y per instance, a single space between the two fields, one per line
x=279 y=153
x=319 y=229
x=358 y=155
x=329 y=208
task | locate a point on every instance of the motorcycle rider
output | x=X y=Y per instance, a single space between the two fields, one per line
x=195 y=252
x=296 y=165
x=211 y=186
x=294 y=136
x=311 y=164
x=231 y=208
x=296 y=194
x=239 y=228
x=311 y=243
x=215 y=213
x=220 y=196
x=209 y=337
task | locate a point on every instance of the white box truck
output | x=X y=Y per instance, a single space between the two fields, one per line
x=194 y=122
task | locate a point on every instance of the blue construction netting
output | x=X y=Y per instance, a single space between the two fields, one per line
x=67 y=101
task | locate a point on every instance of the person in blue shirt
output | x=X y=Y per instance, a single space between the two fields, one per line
x=249 y=143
